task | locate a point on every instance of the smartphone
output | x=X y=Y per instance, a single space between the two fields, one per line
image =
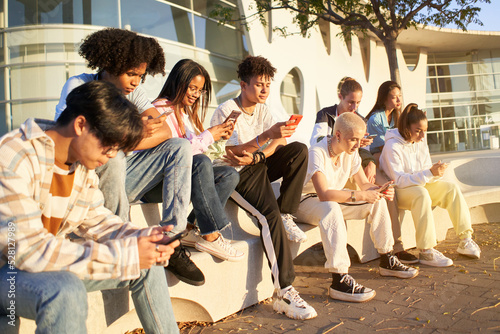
x=371 y=136
x=296 y=119
x=233 y=116
x=384 y=187
x=178 y=236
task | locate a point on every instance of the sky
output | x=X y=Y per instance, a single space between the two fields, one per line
x=489 y=15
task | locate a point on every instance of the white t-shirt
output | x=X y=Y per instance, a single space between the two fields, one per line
x=137 y=97
x=336 y=176
x=247 y=127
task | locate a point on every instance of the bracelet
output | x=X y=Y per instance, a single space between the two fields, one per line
x=262 y=156
x=257 y=140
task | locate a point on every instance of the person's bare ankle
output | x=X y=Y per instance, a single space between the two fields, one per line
x=211 y=237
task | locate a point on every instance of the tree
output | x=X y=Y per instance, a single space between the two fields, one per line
x=385 y=19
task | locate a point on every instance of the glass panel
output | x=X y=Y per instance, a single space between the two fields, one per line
x=96 y=12
x=431 y=85
x=434 y=141
x=183 y=3
x=431 y=100
x=205 y=7
x=22 y=12
x=454 y=69
x=157 y=19
x=290 y=92
x=456 y=84
x=38 y=109
x=209 y=36
x=435 y=126
x=2 y=84
x=457 y=98
x=433 y=113
x=56 y=11
x=431 y=71
x=3 y=120
x=104 y=13
x=37 y=82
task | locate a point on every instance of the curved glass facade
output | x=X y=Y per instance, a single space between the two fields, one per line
x=463 y=100
x=40 y=40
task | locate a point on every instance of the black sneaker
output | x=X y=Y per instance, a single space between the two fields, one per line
x=345 y=288
x=183 y=268
x=391 y=266
x=407 y=258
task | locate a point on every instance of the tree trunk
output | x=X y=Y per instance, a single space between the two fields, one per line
x=390 y=49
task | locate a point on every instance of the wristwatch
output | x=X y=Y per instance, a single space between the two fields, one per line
x=353 y=196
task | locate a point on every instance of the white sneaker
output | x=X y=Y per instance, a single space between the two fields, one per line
x=293 y=232
x=191 y=238
x=468 y=247
x=220 y=248
x=293 y=306
x=435 y=258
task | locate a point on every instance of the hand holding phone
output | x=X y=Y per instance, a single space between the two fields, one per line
x=385 y=186
x=233 y=116
x=178 y=236
x=295 y=119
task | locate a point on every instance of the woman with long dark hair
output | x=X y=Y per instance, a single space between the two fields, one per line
x=184 y=98
x=384 y=114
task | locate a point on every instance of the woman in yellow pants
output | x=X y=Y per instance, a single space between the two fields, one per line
x=419 y=187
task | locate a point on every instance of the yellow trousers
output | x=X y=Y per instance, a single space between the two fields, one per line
x=420 y=200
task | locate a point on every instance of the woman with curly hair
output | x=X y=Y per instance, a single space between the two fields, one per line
x=124 y=58
x=185 y=97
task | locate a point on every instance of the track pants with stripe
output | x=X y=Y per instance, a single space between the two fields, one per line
x=255 y=195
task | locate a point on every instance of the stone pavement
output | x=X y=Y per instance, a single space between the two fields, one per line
x=464 y=298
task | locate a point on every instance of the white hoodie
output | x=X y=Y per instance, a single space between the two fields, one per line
x=406 y=163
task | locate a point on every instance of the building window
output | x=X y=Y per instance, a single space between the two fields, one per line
x=291 y=92
x=463 y=100
x=31 y=12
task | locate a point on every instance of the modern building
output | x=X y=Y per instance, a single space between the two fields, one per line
x=454 y=75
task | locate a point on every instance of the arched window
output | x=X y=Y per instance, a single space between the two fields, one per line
x=291 y=92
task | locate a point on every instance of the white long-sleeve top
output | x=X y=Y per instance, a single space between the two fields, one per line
x=408 y=164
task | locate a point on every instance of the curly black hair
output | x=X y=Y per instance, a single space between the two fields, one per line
x=116 y=51
x=255 y=66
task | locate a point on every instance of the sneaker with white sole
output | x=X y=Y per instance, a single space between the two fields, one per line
x=468 y=247
x=434 y=258
x=220 y=248
x=293 y=306
x=391 y=266
x=191 y=238
x=293 y=232
x=348 y=290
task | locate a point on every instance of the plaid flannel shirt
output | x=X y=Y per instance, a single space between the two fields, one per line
x=109 y=246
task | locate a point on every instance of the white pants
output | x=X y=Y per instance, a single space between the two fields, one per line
x=330 y=218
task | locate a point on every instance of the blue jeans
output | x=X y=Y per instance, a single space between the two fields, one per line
x=211 y=188
x=57 y=300
x=168 y=163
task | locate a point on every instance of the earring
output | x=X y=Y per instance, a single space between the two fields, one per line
x=338 y=140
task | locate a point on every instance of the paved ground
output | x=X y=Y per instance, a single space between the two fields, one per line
x=464 y=298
